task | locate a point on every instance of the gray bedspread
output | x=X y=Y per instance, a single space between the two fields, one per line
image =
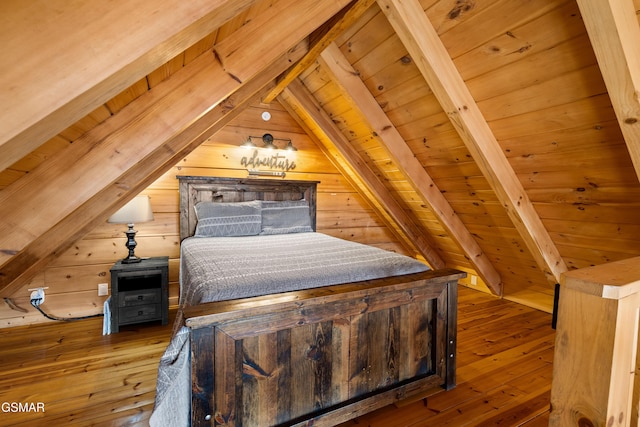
x=222 y=268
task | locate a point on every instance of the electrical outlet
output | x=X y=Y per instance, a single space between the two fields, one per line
x=38 y=295
x=474 y=279
x=103 y=289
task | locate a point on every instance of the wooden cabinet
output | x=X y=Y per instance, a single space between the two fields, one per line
x=139 y=292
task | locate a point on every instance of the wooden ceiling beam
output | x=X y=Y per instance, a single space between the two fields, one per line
x=355 y=90
x=53 y=191
x=44 y=249
x=62 y=59
x=292 y=105
x=431 y=57
x=349 y=16
x=614 y=32
x=241 y=54
x=301 y=103
x=106 y=166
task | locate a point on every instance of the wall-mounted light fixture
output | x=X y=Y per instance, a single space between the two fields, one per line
x=268 y=139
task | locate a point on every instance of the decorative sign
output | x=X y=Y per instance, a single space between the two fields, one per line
x=272 y=161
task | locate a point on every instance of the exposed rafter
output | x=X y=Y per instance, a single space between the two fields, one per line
x=141 y=142
x=355 y=90
x=431 y=57
x=349 y=16
x=58 y=238
x=76 y=71
x=615 y=36
x=250 y=47
x=302 y=104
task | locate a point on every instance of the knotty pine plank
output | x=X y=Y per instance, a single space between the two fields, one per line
x=622 y=175
x=85 y=124
x=105 y=251
x=545 y=65
x=166 y=70
x=595 y=215
x=280 y=121
x=604 y=230
x=431 y=127
x=221 y=157
x=46 y=150
x=537 y=97
x=376 y=59
x=581 y=113
x=165 y=219
x=484 y=24
x=566 y=140
x=366 y=38
x=340 y=219
x=584 y=195
x=90 y=379
x=330 y=181
x=128 y=95
x=506 y=48
x=580 y=258
x=626 y=245
x=390 y=92
x=369 y=235
x=405 y=115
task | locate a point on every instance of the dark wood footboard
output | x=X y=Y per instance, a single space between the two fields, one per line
x=325 y=355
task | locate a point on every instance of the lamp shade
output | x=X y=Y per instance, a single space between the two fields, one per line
x=136 y=210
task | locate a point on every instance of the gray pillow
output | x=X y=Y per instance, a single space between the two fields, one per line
x=290 y=216
x=228 y=219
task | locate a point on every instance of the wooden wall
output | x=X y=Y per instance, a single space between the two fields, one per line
x=73 y=278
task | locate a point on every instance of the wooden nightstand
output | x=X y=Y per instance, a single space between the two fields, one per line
x=139 y=292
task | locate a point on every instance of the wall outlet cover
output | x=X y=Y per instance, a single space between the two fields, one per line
x=103 y=289
x=37 y=294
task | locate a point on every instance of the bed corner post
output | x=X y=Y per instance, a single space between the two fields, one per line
x=311 y=195
x=452 y=328
x=202 y=380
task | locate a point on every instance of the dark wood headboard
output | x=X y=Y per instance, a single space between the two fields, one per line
x=194 y=189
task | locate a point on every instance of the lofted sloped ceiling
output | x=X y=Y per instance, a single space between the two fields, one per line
x=500 y=137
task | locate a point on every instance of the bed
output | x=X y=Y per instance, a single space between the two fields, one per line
x=305 y=329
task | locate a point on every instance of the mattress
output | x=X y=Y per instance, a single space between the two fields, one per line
x=222 y=268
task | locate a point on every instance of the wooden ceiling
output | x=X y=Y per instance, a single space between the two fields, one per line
x=499 y=136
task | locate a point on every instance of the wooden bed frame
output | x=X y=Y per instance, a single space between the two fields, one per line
x=320 y=356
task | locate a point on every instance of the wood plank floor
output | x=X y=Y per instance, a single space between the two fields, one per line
x=82 y=378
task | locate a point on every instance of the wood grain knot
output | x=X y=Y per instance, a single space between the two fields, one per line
x=314 y=353
x=460 y=7
x=585 y=422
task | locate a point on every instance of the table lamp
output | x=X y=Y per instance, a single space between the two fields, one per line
x=136 y=210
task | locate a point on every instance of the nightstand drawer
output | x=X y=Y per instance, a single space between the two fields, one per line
x=140 y=313
x=141 y=297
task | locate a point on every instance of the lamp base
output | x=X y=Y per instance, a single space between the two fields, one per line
x=131 y=245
